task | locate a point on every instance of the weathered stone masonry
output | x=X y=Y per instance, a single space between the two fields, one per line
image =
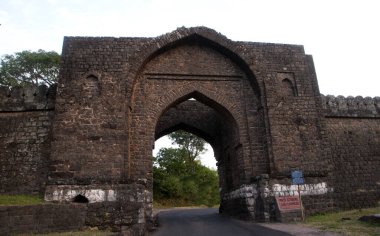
x=257 y=104
x=353 y=127
x=25 y=124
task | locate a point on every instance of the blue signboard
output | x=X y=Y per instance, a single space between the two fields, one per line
x=297 y=177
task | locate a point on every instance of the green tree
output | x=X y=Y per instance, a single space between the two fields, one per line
x=191 y=144
x=172 y=160
x=29 y=68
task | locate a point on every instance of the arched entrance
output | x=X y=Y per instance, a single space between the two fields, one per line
x=115 y=95
x=212 y=122
x=197 y=85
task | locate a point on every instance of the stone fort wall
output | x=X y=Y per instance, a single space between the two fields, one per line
x=25 y=123
x=352 y=124
x=43 y=218
x=353 y=137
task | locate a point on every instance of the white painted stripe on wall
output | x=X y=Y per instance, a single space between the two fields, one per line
x=249 y=191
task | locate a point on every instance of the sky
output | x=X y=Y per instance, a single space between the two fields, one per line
x=342 y=35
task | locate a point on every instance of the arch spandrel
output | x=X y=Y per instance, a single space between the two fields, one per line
x=201 y=36
x=192 y=61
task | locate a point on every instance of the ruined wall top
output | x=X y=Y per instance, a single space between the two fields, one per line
x=27 y=98
x=351 y=106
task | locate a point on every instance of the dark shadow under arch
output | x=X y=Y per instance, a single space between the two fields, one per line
x=198 y=96
x=188 y=128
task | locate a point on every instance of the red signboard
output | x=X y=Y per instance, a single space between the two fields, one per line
x=288 y=203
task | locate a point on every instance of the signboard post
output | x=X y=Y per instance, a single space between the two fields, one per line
x=298 y=179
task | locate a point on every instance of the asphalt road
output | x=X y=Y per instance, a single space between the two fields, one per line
x=199 y=222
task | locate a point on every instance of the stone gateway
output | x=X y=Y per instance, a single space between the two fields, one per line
x=257 y=104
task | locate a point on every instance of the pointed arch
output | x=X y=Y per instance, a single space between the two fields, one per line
x=154 y=92
x=214 y=102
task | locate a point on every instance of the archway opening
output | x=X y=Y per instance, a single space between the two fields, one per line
x=203 y=117
x=80 y=199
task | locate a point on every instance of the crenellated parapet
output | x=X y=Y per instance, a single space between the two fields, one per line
x=27 y=98
x=341 y=106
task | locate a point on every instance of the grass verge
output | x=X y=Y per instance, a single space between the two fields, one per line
x=20 y=200
x=346 y=222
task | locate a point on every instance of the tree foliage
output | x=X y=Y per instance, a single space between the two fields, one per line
x=178 y=177
x=29 y=68
x=192 y=145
